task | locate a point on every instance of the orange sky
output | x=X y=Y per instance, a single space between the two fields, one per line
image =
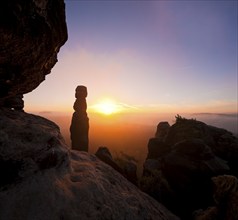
x=180 y=57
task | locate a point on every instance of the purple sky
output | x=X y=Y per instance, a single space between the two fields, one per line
x=153 y=55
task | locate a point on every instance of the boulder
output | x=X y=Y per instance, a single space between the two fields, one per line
x=188 y=168
x=189 y=128
x=162 y=130
x=125 y=167
x=44 y=179
x=104 y=155
x=222 y=142
x=187 y=158
x=29 y=144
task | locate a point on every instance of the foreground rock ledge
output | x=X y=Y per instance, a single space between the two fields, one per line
x=42 y=179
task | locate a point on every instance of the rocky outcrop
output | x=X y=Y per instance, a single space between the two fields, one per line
x=31 y=34
x=225 y=194
x=181 y=163
x=124 y=166
x=80 y=123
x=222 y=142
x=42 y=179
x=104 y=155
x=28 y=144
x=162 y=130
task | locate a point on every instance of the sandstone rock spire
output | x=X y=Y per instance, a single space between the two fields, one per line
x=80 y=123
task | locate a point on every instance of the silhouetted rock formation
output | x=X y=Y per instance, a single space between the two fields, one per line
x=42 y=179
x=222 y=142
x=124 y=166
x=162 y=130
x=79 y=125
x=181 y=163
x=31 y=35
x=104 y=155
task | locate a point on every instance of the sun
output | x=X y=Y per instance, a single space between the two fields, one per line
x=107 y=107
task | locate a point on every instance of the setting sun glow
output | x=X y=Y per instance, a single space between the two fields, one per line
x=107 y=107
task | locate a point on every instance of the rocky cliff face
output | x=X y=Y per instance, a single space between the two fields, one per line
x=42 y=179
x=31 y=34
x=182 y=161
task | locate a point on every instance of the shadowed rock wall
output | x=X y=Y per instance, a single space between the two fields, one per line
x=31 y=34
x=181 y=161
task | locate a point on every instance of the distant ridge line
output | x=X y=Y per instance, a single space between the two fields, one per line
x=217 y=114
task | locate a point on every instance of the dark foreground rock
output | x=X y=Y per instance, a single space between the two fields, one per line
x=42 y=179
x=31 y=34
x=124 y=165
x=105 y=155
x=182 y=161
x=225 y=195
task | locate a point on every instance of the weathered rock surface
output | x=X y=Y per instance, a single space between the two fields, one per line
x=42 y=179
x=31 y=34
x=179 y=166
x=28 y=144
x=124 y=166
x=104 y=155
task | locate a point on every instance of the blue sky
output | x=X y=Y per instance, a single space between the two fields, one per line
x=150 y=55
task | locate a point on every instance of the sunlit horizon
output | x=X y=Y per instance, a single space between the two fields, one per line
x=107 y=107
x=180 y=57
x=144 y=116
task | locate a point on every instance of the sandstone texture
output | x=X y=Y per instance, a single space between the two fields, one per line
x=105 y=155
x=42 y=179
x=124 y=165
x=31 y=34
